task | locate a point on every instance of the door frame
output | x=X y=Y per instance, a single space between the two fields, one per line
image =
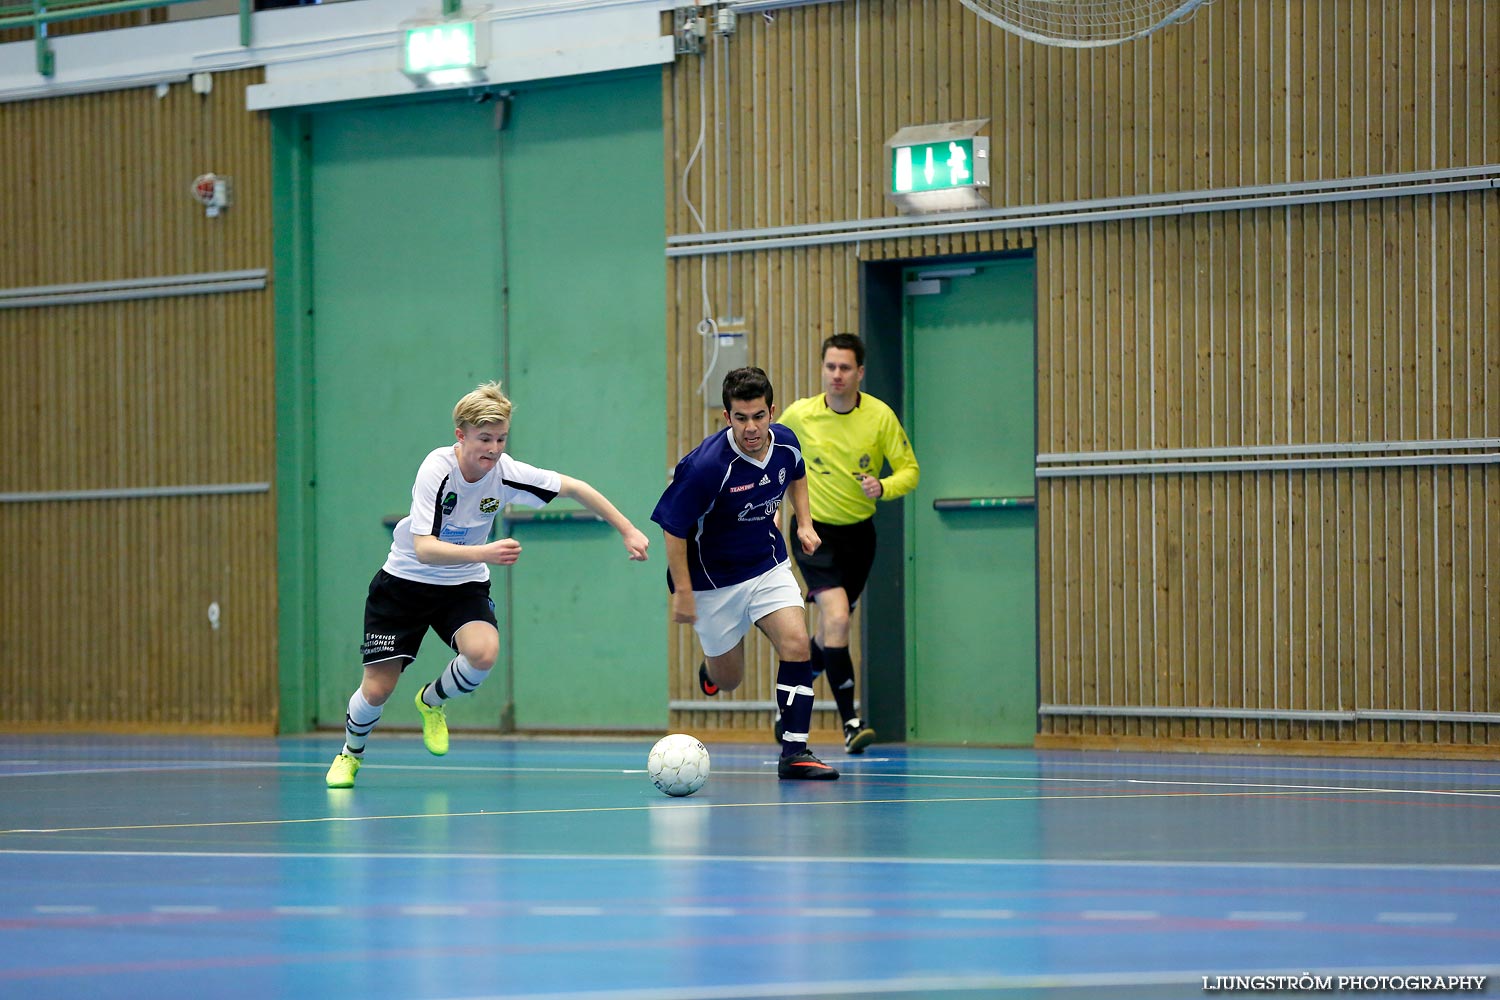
x=882 y=326
x=291 y=181
x=297 y=551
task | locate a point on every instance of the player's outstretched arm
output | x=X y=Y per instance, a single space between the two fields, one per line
x=435 y=552
x=684 y=606
x=635 y=542
x=807 y=536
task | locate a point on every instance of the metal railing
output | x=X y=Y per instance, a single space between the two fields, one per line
x=38 y=14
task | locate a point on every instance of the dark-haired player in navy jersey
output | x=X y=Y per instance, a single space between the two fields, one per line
x=727 y=562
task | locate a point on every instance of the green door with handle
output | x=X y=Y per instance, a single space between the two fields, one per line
x=971 y=524
x=444 y=251
x=404 y=299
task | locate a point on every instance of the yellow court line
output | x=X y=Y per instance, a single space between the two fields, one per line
x=647 y=808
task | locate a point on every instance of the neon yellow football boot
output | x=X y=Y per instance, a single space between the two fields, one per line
x=341 y=774
x=434 y=726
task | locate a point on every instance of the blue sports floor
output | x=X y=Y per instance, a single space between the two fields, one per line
x=136 y=867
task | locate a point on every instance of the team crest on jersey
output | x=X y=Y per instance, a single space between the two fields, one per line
x=489 y=505
x=864 y=461
x=449 y=502
x=781 y=476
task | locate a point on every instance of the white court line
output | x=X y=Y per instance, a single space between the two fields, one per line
x=58 y=911
x=1416 y=918
x=1208 y=783
x=308 y=911
x=909 y=775
x=655 y=805
x=566 y=911
x=245 y=765
x=163 y=766
x=920 y=985
x=1464 y=793
x=434 y=911
x=1171 y=763
x=703 y=912
x=1012 y=779
x=583 y=747
x=699 y=911
x=721 y=859
x=935 y=984
x=184 y=909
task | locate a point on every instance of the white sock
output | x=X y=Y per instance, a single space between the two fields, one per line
x=358 y=722
x=458 y=677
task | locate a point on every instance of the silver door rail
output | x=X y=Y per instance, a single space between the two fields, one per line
x=1268 y=714
x=135 y=493
x=205 y=283
x=1240 y=451
x=1265 y=465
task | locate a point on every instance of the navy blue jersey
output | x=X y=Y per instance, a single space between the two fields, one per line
x=724 y=503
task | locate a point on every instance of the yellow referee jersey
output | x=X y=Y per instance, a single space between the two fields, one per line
x=838 y=447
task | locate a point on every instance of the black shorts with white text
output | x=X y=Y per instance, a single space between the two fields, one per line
x=399 y=612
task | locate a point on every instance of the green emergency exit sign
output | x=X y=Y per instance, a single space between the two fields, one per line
x=436 y=48
x=936 y=166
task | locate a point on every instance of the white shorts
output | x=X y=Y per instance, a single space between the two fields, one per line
x=726 y=613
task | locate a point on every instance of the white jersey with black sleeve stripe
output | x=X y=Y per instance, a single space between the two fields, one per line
x=444 y=504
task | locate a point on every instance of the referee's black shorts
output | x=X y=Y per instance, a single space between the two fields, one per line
x=843 y=560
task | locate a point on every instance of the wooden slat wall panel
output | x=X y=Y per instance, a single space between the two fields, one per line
x=104 y=612
x=1373 y=321
x=1318 y=590
x=98 y=185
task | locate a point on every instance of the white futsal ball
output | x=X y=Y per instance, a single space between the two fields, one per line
x=678 y=764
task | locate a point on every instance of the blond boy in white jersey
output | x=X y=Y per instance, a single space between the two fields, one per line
x=437 y=574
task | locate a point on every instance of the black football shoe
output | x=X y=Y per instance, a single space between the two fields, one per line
x=805 y=767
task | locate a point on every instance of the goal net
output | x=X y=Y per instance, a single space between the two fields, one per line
x=1082 y=23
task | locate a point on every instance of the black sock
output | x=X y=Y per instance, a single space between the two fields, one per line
x=841 y=679
x=817 y=657
x=794 y=696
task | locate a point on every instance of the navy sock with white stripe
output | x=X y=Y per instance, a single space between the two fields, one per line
x=458 y=677
x=794 y=696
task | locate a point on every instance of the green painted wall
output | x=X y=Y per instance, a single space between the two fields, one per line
x=440 y=251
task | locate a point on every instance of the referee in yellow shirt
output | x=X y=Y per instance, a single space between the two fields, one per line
x=847 y=438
